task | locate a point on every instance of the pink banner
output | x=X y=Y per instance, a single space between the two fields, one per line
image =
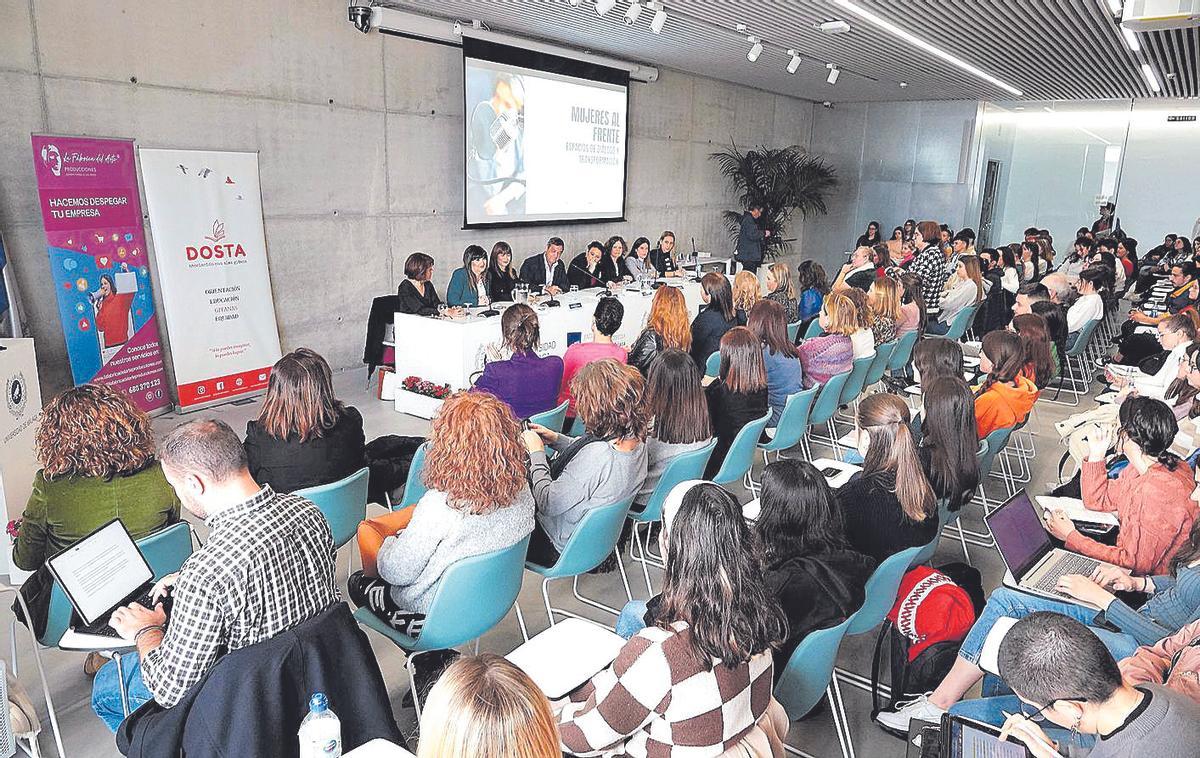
x=93 y=221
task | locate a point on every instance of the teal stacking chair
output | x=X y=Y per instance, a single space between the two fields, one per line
x=473 y=595
x=552 y=419
x=883 y=357
x=988 y=449
x=414 y=485
x=594 y=539
x=793 y=423
x=824 y=407
x=793 y=331
x=740 y=457
x=856 y=379
x=808 y=676
x=712 y=367
x=1076 y=358
x=343 y=504
x=903 y=352
x=945 y=516
x=681 y=468
x=577 y=428
x=961 y=322
x=814 y=329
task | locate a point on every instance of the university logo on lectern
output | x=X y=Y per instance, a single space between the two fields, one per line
x=16 y=394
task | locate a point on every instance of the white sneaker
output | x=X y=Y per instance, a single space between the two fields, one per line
x=920 y=709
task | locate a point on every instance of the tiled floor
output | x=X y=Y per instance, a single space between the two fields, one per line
x=85 y=735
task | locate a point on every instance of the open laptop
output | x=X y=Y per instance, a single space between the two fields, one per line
x=960 y=737
x=100 y=573
x=1028 y=552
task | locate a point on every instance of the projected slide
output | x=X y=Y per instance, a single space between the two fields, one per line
x=542 y=146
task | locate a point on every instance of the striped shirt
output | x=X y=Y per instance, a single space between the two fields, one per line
x=267 y=567
x=657 y=699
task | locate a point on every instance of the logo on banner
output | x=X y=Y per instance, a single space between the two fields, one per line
x=16 y=394
x=52 y=159
x=218 y=232
x=216 y=248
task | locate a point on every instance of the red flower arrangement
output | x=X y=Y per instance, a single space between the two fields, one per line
x=419 y=386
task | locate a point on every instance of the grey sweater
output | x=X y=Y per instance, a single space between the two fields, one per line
x=658 y=456
x=599 y=474
x=1167 y=725
x=414 y=560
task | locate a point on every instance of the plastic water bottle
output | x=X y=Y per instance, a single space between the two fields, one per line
x=321 y=730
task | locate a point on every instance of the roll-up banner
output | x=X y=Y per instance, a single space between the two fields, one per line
x=211 y=252
x=98 y=262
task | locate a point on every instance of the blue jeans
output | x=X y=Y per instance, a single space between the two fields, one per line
x=106 y=692
x=632 y=619
x=937 y=327
x=1010 y=603
x=991 y=710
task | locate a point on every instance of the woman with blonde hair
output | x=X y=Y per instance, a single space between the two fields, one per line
x=781 y=289
x=478 y=502
x=832 y=353
x=746 y=293
x=304 y=436
x=667 y=327
x=884 y=301
x=863 y=337
x=485 y=707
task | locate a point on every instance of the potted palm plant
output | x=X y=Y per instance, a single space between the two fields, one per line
x=784 y=180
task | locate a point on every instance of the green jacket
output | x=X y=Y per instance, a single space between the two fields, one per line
x=63 y=511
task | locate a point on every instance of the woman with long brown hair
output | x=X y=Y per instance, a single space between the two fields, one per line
x=304 y=436
x=1006 y=395
x=739 y=395
x=890 y=505
x=666 y=328
x=715 y=318
x=613 y=269
x=678 y=410
x=785 y=376
x=965 y=291
x=1039 y=363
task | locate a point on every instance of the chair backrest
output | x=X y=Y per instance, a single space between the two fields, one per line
x=856 y=379
x=883 y=356
x=881 y=591
x=472 y=596
x=552 y=419
x=904 y=349
x=827 y=400
x=945 y=516
x=793 y=422
x=793 y=331
x=958 y=327
x=809 y=670
x=712 y=367
x=814 y=329
x=681 y=468
x=740 y=456
x=996 y=441
x=414 y=485
x=343 y=504
x=165 y=551
x=1083 y=338
x=594 y=539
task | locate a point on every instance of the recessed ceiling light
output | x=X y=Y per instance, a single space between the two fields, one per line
x=1151 y=79
x=1131 y=39
x=894 y=30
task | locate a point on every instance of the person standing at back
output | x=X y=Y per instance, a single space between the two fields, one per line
x=929 y=263
x=751 y=239
x=605 y=322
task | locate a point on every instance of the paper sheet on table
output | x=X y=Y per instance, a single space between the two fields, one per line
x=566 y=655
x=1075 y=510
x=989 y=656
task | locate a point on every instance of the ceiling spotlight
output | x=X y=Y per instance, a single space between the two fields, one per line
x=1131 y=39
x=834 y=73
x=1115 y=7
x=631 y=15
x=1151 y=79
x=660 y=17
x=794 y=63
x=604 y=6
x=756 y=49
x=575 y=2
x=903 y=85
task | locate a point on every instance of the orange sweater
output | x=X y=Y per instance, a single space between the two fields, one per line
x=1156 y=511
x=1004 y=405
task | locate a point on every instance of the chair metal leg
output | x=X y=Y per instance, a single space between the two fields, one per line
x=643 y=560
x=121 y=684
x=837 y=709
x=412 y=682
x=521 y=621
x=37 y=659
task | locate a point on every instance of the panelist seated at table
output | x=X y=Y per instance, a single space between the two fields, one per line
x=585 y=271
x=468 y=284
x=638 y=260
x=613 y=262
x=526 y=383
x=416 y=293
x=663 y=256
x=501 y=275
x=547 y=270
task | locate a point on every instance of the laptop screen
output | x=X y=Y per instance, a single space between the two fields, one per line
x=101 y=570
x=1020 y=536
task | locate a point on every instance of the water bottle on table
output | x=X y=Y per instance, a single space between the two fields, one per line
x=321 y=731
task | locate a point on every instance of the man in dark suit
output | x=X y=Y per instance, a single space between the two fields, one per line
x=538 y=271
x=750 y=239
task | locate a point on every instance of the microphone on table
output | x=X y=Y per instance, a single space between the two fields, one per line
x=585 y=271
x=551 y=303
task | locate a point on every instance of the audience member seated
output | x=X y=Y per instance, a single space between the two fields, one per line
x=1027 y=295
x=1173 y=661
x=818 y=579
x=889 y=505
x=604 y=466
x=663 y=256
x=501 y=275
x=715 y=318
x=935 y=358
x=1040 y=367
x=781 y=290
x=1089 y=306
x=812 y=285
x=883 y=302
x=416 y=293
x=912 y=306
x=546 y=271
x=304 y=436
x=666 y=328
x=612 y=265
x=678 y=411
x=468 y=285
x=1176 y=337
x=1055 y=317
x=95 y=450
x=266 y=567
x=638 y=261
x=1030 y=265
x=606 y=320
x=1058 y=287
x=746 y=293
x=739 y=394
x=585 y=271
x=863 y=338
x=948 y=450
x=478 y=502
x=832 y=353
x=858 y=272
x=1077 y=259
x=1134 y=346
x=870 y=237
x=782 y=361
x=965 y=292
x=485 y=707
x=1006 y=396
x=527 y=383
x=699 y=677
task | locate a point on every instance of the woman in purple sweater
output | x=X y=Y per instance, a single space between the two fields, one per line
x=526 y=383
x=832 y=353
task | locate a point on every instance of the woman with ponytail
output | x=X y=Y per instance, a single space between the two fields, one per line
x=890 y=505
x=525 y=382
x=1007 y=394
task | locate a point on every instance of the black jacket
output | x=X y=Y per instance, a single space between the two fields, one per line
x=613 y=271
x=500 y=285
x=417 y=303
x=750 y=240
x=875 y=523
x=579 y=275
x=252 y=701
x=662 y=261
x=383 y=312
x=707 y=330
x=645 y=349
x=730 y=411
x=533 y=273
x=290 y=465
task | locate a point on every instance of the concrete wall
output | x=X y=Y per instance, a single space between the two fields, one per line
x=360 y=142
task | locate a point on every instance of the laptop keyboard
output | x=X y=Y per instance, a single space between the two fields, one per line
x=101 y=627
x=1067 y=564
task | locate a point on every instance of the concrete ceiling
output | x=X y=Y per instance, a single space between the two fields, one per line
x=1047 y=49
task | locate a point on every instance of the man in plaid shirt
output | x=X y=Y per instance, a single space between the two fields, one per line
x=266 y=568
